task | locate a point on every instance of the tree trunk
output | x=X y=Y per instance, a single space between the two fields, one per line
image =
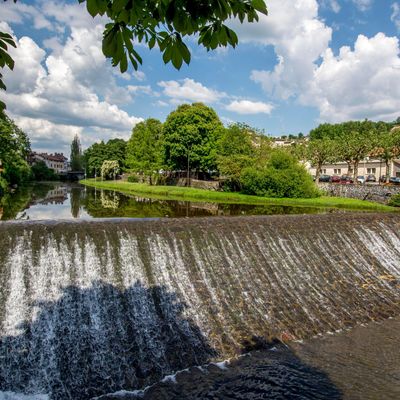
x=387 y=172
x=356 y=172
x=318 y=172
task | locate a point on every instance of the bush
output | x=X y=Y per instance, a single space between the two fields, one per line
x=281 y=177
x=40 y=172
x=133 y=178
x=394 y=200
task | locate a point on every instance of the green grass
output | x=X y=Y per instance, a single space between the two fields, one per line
x=191 y=194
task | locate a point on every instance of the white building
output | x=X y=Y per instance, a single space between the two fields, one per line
x=57 y=161
x=366 y=167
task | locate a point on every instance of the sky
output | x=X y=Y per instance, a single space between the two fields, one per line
x=307 y=62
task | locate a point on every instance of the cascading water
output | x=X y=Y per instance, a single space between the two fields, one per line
x=88 y=308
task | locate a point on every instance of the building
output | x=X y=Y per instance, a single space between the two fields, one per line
x=57 y=161
x=366 y=167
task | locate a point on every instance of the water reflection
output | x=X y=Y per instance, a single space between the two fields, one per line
x=58 y=200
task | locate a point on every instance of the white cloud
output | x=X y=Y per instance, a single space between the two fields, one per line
x=395 y=17
x=71 y=89
x=331 y=4
x=363 y=5
x=189 y=90
x=250 y=107
x=299 y=38
x=359 y=83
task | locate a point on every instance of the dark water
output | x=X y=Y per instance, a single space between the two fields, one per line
x=95 y=307
x=69 y=201
x=359 y=364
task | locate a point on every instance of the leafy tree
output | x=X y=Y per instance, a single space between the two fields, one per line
x=235 y=152
x=40 y=172
x=163 y=22
x=5 y=59
x=190 y=137
x=319 y=152
x=97 y=153
x=76 y=154
x=388 y=148
x=282 y=177
x=356 y=140
x=144 y=148
x=14 y=150
x=109 y=169
x=325 y=131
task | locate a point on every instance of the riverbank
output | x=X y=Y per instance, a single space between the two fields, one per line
x=191 y=194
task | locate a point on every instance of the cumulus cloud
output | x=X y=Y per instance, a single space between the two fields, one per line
x=299 y=38
x=395 y=17
x=359 y=83
x=189 y=90
x=363 y=5
x=71 y=88
x=249 y=107
x=331 y=4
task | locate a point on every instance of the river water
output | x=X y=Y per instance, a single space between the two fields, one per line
x=74 y=201
x=305 y=306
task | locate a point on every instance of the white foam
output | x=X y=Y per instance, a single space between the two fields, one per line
x=21 y=396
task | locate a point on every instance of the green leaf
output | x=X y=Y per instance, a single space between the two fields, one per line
x=176 y=57
x=123 y=66
x=185 y=53
x=260 y=6
x=152 y=42
x=92 y=7
x=167 y=54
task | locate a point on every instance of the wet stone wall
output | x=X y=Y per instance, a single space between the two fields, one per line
x=88 y=308
x=378 y=193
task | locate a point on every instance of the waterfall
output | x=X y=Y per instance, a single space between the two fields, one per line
x=88 y=308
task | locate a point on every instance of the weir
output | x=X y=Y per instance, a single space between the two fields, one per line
x=88 y=308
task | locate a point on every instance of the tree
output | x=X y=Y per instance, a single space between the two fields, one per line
x=14 y=150
x=109 y=169
x=282 y=177
x=76 y=154
x=5 y=59
x=357 y=139
x=165 y=23
x=190 y=138
x=388 y=148
x=97 y=153
x=235 y=152
x=40 y=172
x=144 y=148
x=319 y=152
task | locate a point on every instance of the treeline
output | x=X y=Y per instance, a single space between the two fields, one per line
x=352 y=142
x=194 y=140
x=14 y=150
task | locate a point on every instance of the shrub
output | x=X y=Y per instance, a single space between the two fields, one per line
x=133 y=178
x=394 y=200
x=281 y=177
x=40 y=172
x=109 y=169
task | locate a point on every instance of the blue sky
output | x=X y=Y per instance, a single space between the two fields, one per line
x=308 y=62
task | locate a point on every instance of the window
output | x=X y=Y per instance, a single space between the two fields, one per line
x=337 y=171
x=324 y=171
x=371 y=170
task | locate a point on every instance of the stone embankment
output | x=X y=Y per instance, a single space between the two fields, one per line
x=378 y=193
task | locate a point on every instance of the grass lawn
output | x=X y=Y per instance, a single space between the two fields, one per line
x=192 y=194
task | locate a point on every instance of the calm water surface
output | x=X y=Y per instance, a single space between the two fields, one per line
x=67 y=201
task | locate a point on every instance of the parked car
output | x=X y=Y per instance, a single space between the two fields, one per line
x=361 y=179
x=324 y=178
x=335 y=179
x=395 y=180
x=370 y=178
x=346 y=179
